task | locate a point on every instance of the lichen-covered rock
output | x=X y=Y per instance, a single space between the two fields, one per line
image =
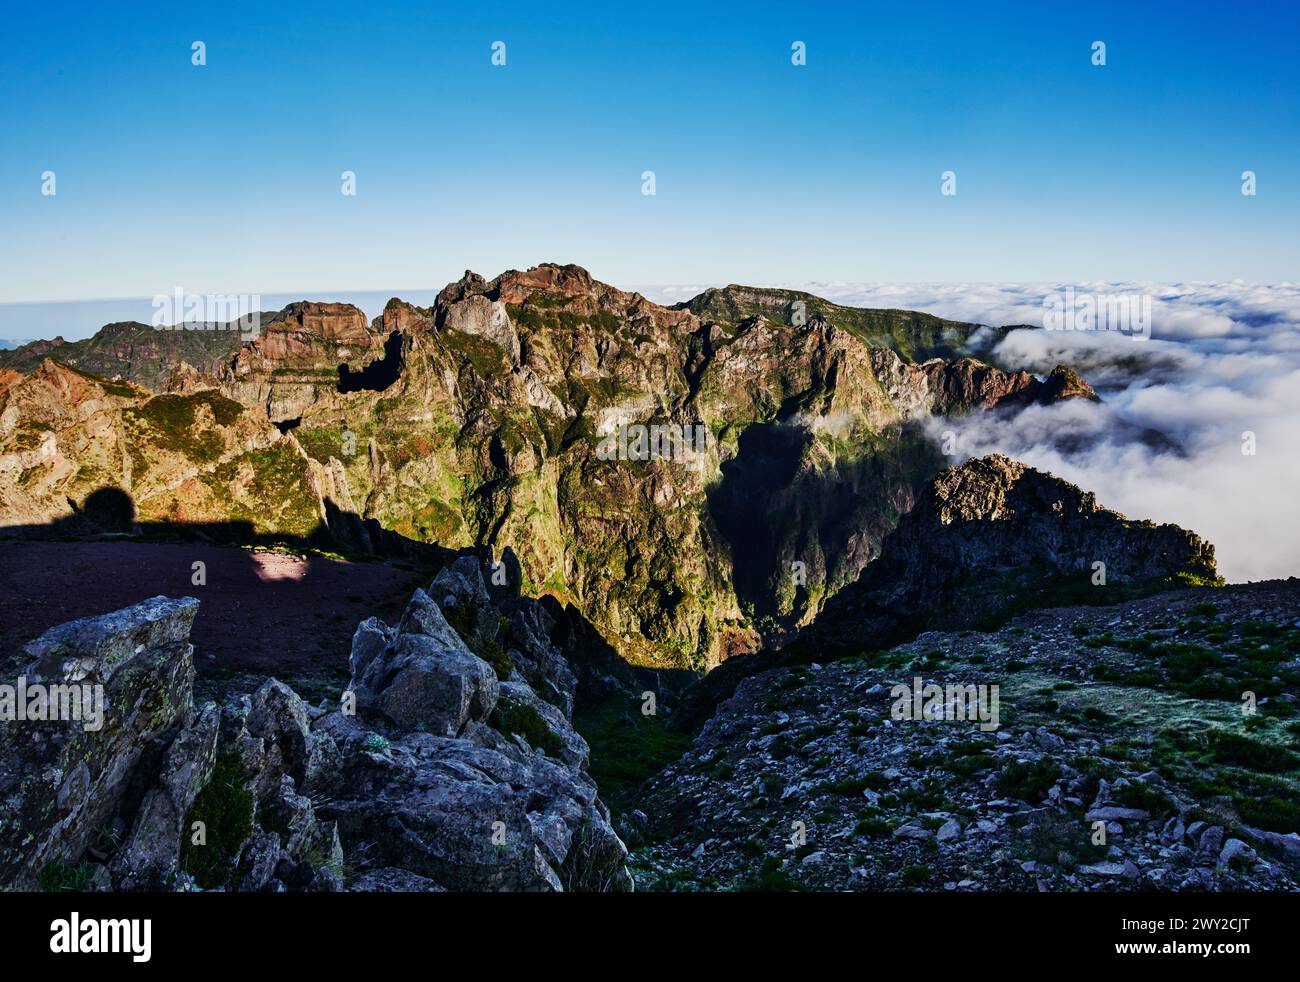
x=149 y=858
x=478 y=812
x=426 y=676
x=64 y=784
x=460 y=593
x=1105 y=769
x=370 y=638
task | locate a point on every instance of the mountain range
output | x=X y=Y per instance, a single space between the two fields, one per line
x=672 y=561
x=475 y=423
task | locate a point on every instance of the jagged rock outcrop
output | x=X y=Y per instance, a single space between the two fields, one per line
x=184 y=378
x=454 y=770
x=1064 y=383
x=161 y=794
x=71 y=784
x=437 y=770
x=295 y=362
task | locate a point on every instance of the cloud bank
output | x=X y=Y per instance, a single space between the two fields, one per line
x=1166 y=443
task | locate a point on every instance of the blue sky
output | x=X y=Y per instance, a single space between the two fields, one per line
x=226 y=178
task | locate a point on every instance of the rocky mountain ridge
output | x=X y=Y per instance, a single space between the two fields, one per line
x=129 y=351
x=984 y=541
x=475 y=424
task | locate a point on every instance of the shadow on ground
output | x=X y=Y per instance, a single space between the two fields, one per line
x=278 y=605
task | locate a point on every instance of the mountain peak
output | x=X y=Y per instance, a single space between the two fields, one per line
x=1065 y=383
x=565 y=281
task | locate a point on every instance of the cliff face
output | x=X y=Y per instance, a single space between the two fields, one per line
x=480 y=422
x=82 y=454
x=984 y=541
x=993 y=530
x=300 y=357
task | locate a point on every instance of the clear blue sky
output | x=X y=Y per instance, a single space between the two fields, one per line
x=227 y=177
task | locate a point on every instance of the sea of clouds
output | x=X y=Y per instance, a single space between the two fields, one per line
x=1165 y=443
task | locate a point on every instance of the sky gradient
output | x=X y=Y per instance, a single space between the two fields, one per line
x=226 y=178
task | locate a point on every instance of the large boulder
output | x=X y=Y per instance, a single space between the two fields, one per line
x=426 y=677
x=478 y=812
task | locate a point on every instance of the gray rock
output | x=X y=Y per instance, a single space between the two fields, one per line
x=390 y=879
x=1211 y=842
x=459 y=591
x=416 y=793
x=484 y=318
x=91 y=649
x=1115 y=813
x=1104 y=869
x=1234 y=848
x=477 y=812
x=572 y=748
x=370 y=638
x=428 y=680
x=912 y=832
x=62 y=784
x=278 y=715
x=149 y=858
x=258 y=862
x=1289 y=844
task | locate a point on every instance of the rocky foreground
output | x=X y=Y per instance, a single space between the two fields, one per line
x=449 y=764
x=1123 y=760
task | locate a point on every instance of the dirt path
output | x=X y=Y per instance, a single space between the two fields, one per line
x=262 y=612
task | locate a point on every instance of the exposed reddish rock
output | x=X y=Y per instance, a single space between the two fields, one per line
x=1064 y=383
x=295 y=362
x=186 y=378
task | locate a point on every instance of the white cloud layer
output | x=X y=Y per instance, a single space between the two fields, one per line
x=1166 y=442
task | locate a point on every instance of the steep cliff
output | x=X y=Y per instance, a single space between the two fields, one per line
x=985 y=541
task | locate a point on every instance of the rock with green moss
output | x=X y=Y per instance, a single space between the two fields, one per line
x=70 y=782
